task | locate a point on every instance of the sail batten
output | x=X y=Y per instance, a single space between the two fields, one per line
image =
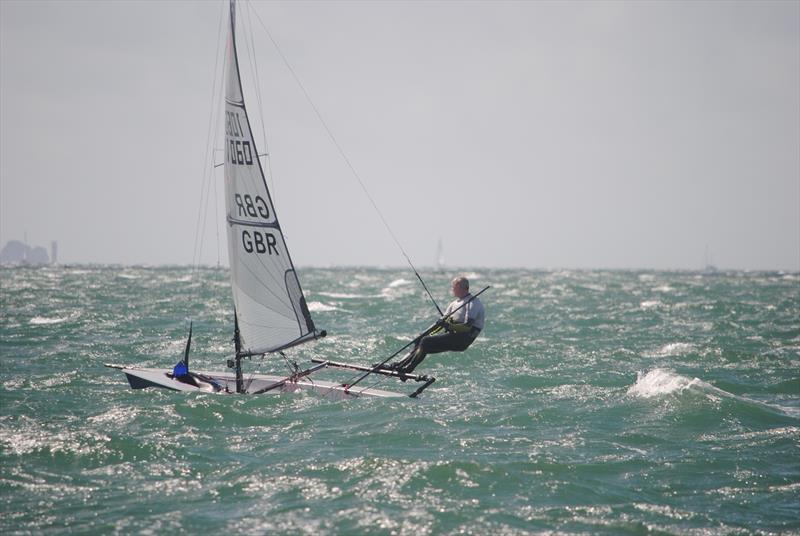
x=251 y=223
x=269 y=303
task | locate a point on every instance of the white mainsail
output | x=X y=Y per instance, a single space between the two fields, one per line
x=271 y=310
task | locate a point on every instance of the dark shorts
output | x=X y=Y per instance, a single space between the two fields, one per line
x=447 y=342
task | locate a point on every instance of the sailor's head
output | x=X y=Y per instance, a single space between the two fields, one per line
x=460 y=286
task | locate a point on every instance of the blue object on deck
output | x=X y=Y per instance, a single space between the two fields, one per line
x=180 y=370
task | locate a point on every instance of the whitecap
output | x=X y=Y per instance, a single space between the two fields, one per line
x=632 y=449
x=673 y=349
x=664 y=510
x=659 y=382
x=396 y=289
x=791 y=488
x=13 y=384
x=319 y=307
x=343 y=295
x=786 y=410
x=650 y=304
x=43 y=320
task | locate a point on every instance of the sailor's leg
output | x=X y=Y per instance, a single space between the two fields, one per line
x=414 y=358
x=406 y=360
x=434 y=344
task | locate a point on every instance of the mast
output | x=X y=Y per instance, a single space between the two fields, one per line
x=237 y=344
x=237 y=339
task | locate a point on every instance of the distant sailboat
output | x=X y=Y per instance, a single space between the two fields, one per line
x=270 y=310
x=439 y=256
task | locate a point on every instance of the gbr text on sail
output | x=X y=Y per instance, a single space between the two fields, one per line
x=247 y=205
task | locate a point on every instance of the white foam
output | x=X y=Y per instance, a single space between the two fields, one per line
x=650 y=304
x=397 y=288
x=673 y=349
x=343 y=295
x=790 y=488
x=659 y=382
x=319 y=307
x=43 y=320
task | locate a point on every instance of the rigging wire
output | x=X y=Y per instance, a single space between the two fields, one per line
x=208 y=185
x=346 y=159
x=292 y=365
x=209 y=158
x=257 y=79
x=216 y=214
x=378 y=382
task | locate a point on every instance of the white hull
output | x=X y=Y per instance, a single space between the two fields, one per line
x=224 y=383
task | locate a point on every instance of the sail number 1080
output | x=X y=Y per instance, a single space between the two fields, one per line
x=239 y=153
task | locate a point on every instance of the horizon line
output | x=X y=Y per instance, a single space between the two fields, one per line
x=401 y=268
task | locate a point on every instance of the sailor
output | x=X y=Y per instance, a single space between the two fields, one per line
x=460 y=329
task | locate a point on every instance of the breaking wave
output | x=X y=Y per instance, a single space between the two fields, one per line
x=346 y=296
x=673 y=349
x=43 y=320
x=661 y=382
x=319 y=307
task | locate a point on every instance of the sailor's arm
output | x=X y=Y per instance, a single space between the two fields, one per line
x=458 y=327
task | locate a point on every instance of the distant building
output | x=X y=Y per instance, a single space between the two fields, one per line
x=21 y=253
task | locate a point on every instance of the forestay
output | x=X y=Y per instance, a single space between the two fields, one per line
x=271 y=310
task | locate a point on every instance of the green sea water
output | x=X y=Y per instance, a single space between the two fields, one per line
x=595 y=402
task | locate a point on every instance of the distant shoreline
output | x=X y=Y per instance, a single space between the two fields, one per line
x=446 y=270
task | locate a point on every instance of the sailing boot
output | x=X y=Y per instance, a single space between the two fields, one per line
x=403 y=363
x=412 y=361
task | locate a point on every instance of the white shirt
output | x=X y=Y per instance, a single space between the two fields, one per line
x=472 y=313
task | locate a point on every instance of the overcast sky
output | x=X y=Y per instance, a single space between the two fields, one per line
x=523 y=134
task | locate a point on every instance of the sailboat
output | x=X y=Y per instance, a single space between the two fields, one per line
x=439 y=256
x=270 y=310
